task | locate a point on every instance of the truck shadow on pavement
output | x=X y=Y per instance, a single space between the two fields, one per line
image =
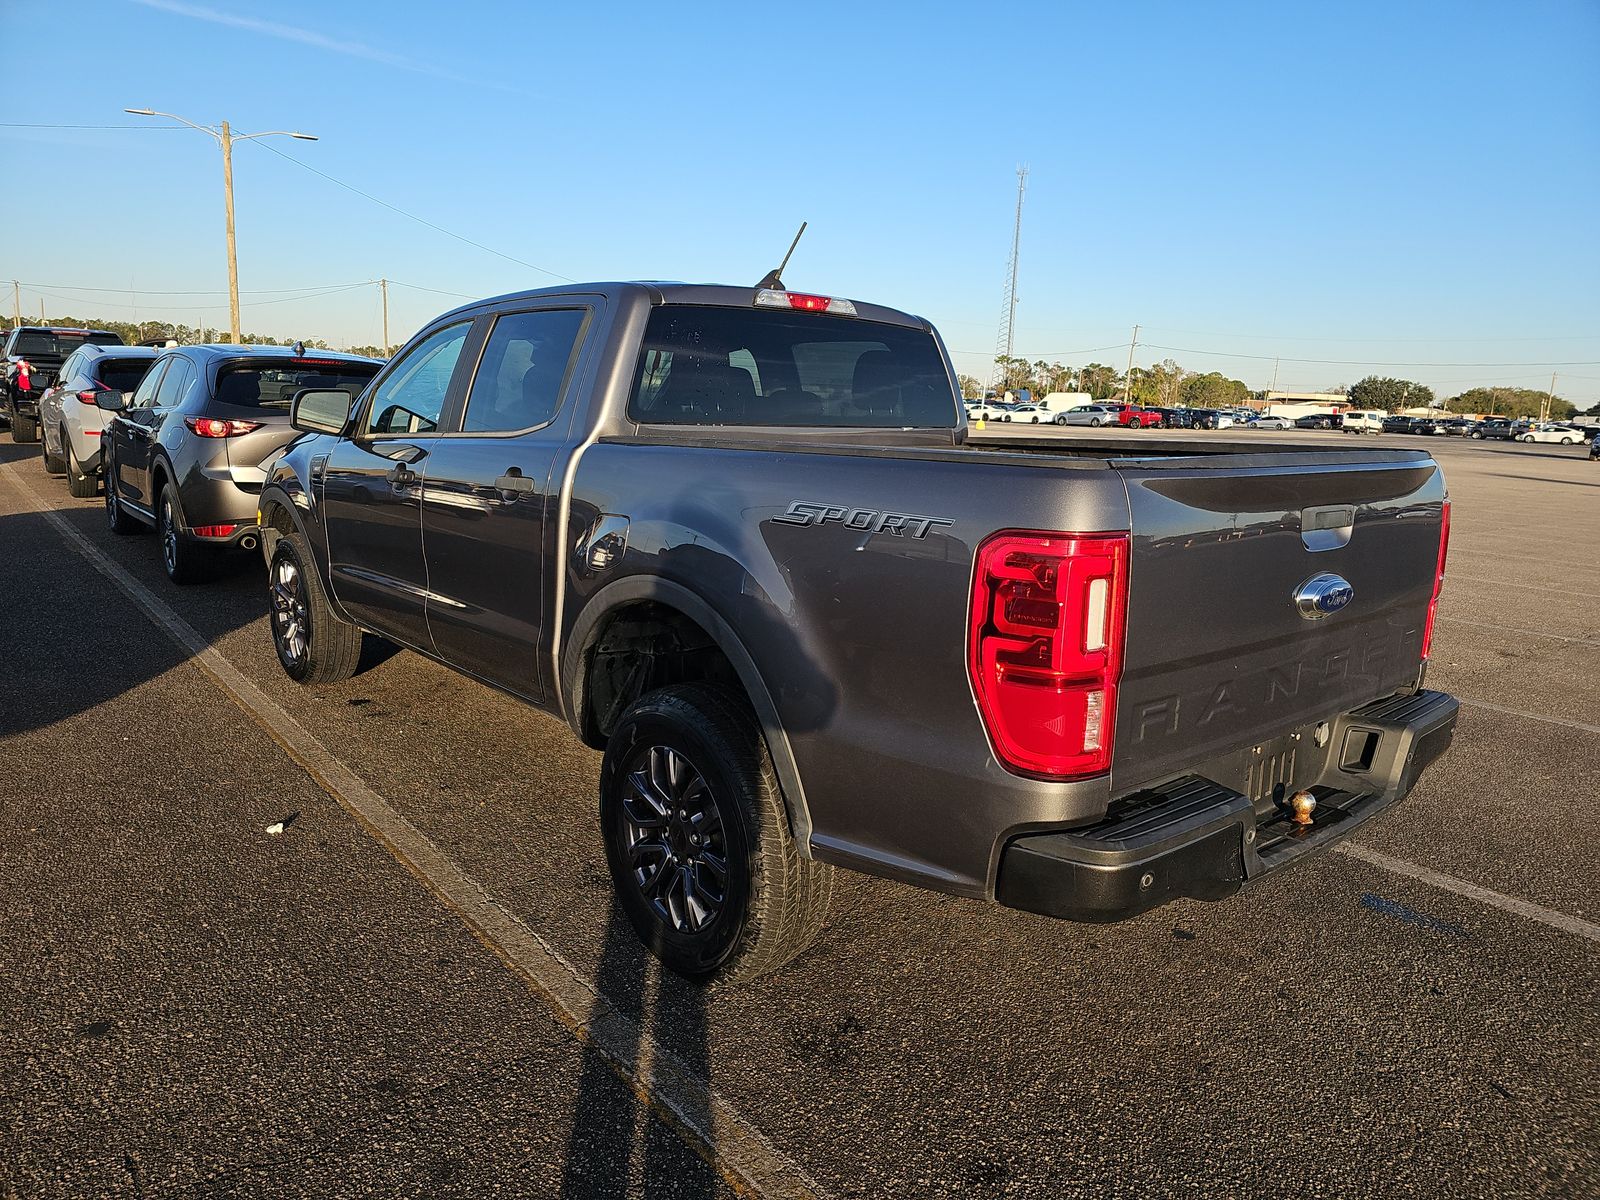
x=601 y=1148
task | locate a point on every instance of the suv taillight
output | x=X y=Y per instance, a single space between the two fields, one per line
x=213 y=427
x=1044 y=648
x=1438 y=581
x=87 y=397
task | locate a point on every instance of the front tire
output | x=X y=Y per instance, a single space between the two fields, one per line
x=314 y=644
x=79 y=482
x=698 y=840
x=52 y=462
x=1061 y=419
x=117 y=519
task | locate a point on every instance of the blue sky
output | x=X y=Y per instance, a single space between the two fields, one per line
x=1363 y=183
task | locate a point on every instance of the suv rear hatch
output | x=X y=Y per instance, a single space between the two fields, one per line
x=258 y=392
x=1220 y=657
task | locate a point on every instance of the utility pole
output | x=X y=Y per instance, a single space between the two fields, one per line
x=16 y=304
x=225 y=137
x=1549 y=401
x=1008 y=314
x=1127 y=380
x=383 y=286
x=1274 y=386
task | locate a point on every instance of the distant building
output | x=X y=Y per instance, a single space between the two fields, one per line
x=1302 y=404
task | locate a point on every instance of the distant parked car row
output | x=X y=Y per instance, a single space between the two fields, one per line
x=178 y=433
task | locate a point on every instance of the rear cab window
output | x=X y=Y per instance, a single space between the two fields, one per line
x=123 y=374
x=270 y=384
x=45 y=343
x=706 y=365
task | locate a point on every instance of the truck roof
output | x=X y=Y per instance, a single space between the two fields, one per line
x=664 y=292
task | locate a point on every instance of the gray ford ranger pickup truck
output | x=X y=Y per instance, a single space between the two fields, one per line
x=738 y=539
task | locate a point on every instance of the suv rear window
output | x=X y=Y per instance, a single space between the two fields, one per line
x=45 y=344
x=123 y=374
x=272 y=384
x=728 y=366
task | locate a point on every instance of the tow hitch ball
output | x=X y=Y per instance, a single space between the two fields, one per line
x=1301 y=805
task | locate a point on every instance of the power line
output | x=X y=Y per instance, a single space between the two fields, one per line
x=72 y=287
x=22 y=125
x=413 y=216
x=1273 y=337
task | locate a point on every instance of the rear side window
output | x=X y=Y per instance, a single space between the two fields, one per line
x=175 y=383
x=272 y=383
x=523 y=370
x=123 y=374
x=729 y=366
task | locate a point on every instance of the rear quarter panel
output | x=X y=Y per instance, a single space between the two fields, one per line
x=860 y=637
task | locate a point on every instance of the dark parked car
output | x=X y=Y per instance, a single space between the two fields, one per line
x=1459 y=427
x=1176 y=418
x=1594 y=448
x=1496 y=429
x=737 y=539
x=1320 y=421
x=186 y=454
x=70 y=418
x=33 y=357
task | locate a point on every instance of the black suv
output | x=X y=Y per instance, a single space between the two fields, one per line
x=186 y=454
x=33 y=357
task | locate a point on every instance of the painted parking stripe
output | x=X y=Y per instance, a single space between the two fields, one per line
x=1472 y=891
x=1528 y=716
x=1527 y=587
x=747 y=1160
x=1554 y=637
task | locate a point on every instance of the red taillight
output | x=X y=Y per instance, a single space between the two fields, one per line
x=86 y=397
x=1045 y=648
x=808 y=303
x=1438 y=581
x=211 y=427
x=213 y=531
x=24 y=382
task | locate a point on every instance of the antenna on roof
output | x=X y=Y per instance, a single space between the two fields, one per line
x=774 y=279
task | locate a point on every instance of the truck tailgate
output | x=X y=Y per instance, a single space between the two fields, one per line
x=1219 y=656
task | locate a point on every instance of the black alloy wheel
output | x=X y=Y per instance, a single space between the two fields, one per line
x=291 y=614
x=673 y=830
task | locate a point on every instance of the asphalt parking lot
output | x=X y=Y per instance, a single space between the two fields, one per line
x=191 y=1005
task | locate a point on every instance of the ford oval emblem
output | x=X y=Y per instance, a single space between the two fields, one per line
x=1323 y=595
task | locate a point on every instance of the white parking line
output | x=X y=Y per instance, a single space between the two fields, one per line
x=1510 y=630
x=1528 y=716
x=746 y=1159
x=1449 y=883
x=1527 y=587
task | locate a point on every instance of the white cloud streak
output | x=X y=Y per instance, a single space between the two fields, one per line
x=294 y=33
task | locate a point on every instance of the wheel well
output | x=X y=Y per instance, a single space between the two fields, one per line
x=158 y=479
x=639 y=648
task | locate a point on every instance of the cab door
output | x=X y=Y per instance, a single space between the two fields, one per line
x=371 y=489
x=489 y=493
x=132 y=433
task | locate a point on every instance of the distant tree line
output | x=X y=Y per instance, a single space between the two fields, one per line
x=134 y=332
x=1166 y=383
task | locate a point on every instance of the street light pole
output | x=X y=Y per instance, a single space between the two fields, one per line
x=225 y=137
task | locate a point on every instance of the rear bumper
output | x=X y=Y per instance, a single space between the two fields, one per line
x=1197 y=838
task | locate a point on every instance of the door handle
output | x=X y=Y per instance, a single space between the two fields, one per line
x=402 y=476
x=514 y=481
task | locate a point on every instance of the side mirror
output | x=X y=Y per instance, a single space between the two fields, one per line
x=318 y=410
x=112 y=401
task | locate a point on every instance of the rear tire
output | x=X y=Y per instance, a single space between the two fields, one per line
x=80 y=484
x=185 y=561
x=698 y=840
x=314 y=644
x=23 y=429
x=52 y=462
